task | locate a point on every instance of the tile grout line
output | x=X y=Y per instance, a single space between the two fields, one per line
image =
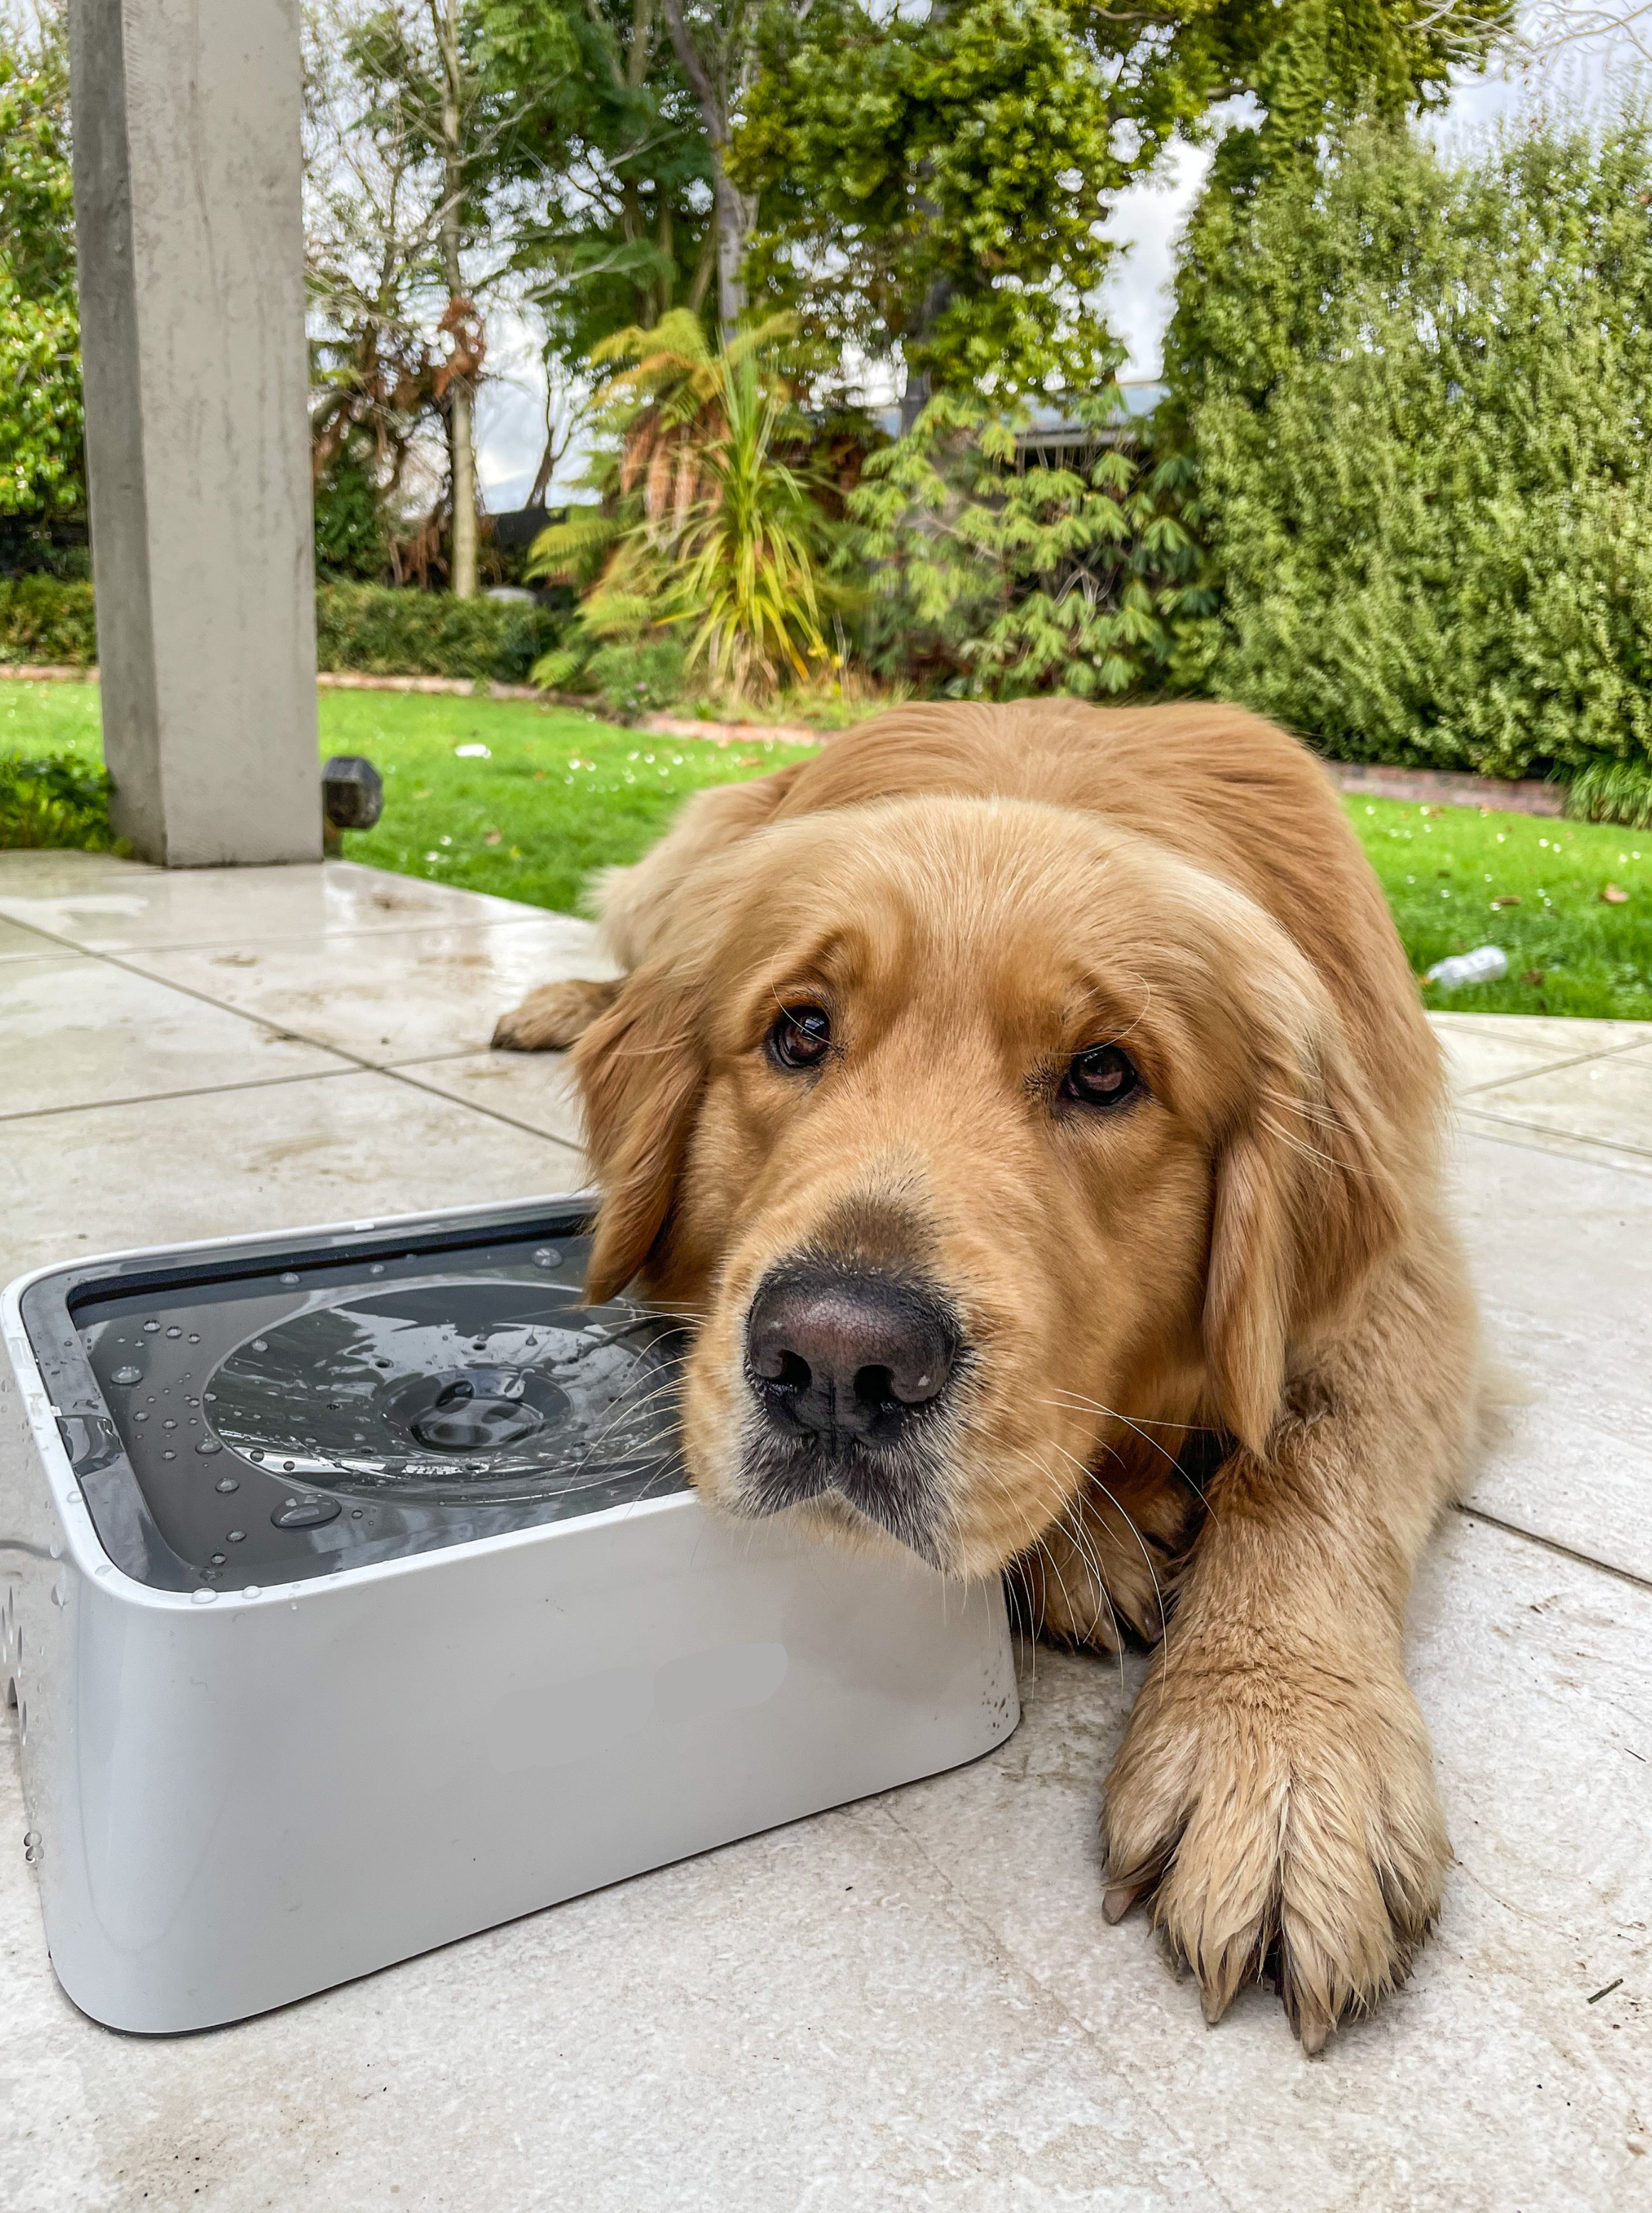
x=354 y=1063
x=1551 y=1067
x=1500 y=1125
x=473 y=1106
x=193 y=1091
x=1012 y=1965
x=1550 y=1544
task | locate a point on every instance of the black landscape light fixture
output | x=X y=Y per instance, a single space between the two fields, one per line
x=352 y=798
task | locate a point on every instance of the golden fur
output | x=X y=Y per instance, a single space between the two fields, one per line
x=1222 y=1356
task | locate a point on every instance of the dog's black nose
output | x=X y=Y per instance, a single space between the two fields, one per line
x=845 y=1357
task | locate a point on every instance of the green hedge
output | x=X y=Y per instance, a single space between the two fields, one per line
x=384 y=632
x=360 y=626
x=1418 y=395
x=54 y=801
x=46 y=618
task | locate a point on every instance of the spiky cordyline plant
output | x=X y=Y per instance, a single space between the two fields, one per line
x=703 y=524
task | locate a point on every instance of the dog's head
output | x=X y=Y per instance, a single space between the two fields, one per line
x=972 y=1133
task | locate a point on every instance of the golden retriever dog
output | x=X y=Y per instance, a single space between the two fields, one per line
x=1032 y=1109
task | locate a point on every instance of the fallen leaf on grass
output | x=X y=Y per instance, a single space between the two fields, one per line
x=1534 y=976
x=1613 y=897
x=1507 y=898
x=494 y=838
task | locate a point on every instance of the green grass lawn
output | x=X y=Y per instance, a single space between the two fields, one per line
x=559 y=794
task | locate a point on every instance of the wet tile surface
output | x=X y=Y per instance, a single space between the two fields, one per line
x=113 y=905
x=78 y=1030
x=536 y=1088
x=336 y=1149
x=1562 y=1254
x=389 y=996
x=17 y=943
x=1605 y=1101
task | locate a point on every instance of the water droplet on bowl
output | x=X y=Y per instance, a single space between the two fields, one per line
x=305 y=1513
x=260 y=1345
x=194 y=1337
x=127 y=1376
x=548 y=1256
x=377 y=1269
x=257 y=1452
x=236 y=1536
x=207 y=1447
x=229 y=1483
x=251 y=1591
x=218 y=1559
x=288 y=1277
x=152 y=1327
x=168 y=1454
x=174 y=1330
x=203 y=1597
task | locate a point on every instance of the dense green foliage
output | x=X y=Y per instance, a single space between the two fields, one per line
x=41 y=455
x=1418 y=396
x=369 y=627
x=47 y=619
x=561 y=794
x=1003 y=571
x=401 y=633
x=55 y=799
x=936 y=186
x=939 y=186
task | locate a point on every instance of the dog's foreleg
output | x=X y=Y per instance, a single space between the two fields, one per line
x=1275 y=1794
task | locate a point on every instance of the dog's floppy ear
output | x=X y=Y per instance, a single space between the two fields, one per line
x=1306 y=1200
x=640 y=1068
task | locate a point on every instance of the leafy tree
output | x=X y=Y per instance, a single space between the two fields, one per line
x=614 y=226
x=42 y=464
x=1008 y=570
x=1419 y=417
x=937 y=187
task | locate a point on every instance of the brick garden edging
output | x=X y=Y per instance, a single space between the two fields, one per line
x=1435 y=787
x=1444 y=787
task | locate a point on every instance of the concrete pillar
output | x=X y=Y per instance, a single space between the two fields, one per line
x=187 y=181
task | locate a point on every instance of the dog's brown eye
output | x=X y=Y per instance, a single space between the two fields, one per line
x=1101 y=1077
x=801 y=1038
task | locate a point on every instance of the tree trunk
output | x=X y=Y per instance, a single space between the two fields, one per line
x=463 y=460
x=461 y=457
x=734 y=213
x=736 y=218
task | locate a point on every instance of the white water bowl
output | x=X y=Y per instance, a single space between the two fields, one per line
x=293 y=1709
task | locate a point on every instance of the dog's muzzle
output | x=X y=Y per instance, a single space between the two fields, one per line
x=850 y=1372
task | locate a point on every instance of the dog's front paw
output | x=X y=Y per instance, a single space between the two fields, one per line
x=553 y=1017
x=1281 y=1814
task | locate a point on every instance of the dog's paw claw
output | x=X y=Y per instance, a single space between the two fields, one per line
x=1315 y=1850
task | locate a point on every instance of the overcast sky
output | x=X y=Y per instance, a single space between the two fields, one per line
x=510 y=411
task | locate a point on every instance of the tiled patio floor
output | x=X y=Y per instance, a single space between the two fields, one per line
x=914 y=2002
